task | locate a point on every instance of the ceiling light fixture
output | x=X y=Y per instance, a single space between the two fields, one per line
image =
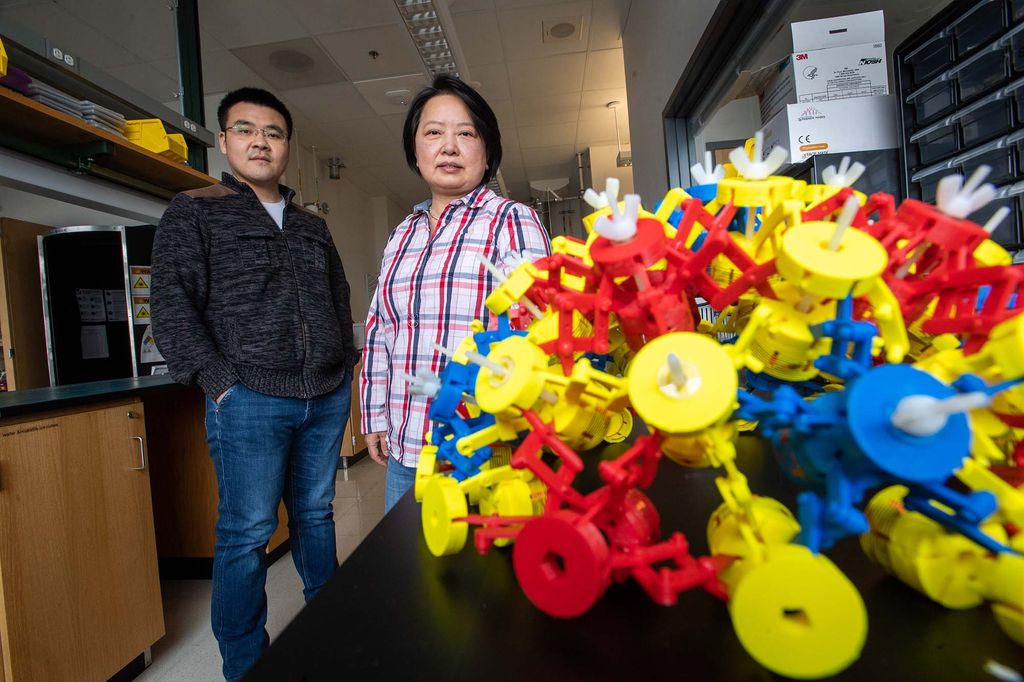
x=433 y=34
x=334 y=166
x=622 y=159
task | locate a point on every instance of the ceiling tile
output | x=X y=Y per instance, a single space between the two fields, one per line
x=492 y=81
x=596 y=131
x=599 y=98
x=607 y=19
x=208 y=43
x=460 y=6
x=547 y=76
x=145 y=29
x=168 y=67
x=147 y=80
x=478 y=35
x=605 y=70
x=351 y=50
x=522 y=30
x=404 y=88
x=513 y=4
x=506 y=114
x=237 y=23
x=546 y=156
x=330 y=16
x=330 y=104
x=395 y=123
x=546 y=135
x=63 y=29
x=599 y=122
x=290 y=64
x=223 y=71
x=531 y=111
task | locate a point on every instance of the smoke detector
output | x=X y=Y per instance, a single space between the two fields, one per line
x=563 y=30
x=398 y=98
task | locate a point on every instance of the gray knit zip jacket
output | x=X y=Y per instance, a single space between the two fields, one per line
x=235 y=299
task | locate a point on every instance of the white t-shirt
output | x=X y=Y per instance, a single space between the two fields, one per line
x=276 y=211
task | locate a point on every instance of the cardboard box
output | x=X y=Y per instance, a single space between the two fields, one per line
x=836 y=58
x=846 y=125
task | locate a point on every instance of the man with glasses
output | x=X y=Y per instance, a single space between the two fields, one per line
x=250 y=302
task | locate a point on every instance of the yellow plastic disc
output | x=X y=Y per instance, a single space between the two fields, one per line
x=772 y=522
x=798 y=615
x=805 y=258
x=512 y=498
x=620 y=425
x=744 y=192
x=521 y=384
x=426 y=468
x=706 y=396
x=442 y=503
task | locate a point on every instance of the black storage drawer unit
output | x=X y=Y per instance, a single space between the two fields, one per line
x=960 y=89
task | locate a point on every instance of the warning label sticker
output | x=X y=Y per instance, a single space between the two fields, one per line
x=141 y=278
x=140 y=309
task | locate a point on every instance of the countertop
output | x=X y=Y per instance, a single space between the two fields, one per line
x=32 y=400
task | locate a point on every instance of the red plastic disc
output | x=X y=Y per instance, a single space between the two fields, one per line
x=561 y=563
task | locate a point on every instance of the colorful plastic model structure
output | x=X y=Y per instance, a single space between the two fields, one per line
x=872 y=345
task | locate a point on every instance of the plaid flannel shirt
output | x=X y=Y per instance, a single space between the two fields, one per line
x=429 y=291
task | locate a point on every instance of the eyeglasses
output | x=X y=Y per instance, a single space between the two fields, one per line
x=269 y=134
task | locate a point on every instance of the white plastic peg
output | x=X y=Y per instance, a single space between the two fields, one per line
x=758 y=168
x=924 y=415
x=424 y=383
x=996 y=218
x=609 y=197
x=621 y=227
x=959 y=199
x=846 y=216
x=845 y=176
x=709 y=173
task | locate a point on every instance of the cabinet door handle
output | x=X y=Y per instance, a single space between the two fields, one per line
x=142 y=453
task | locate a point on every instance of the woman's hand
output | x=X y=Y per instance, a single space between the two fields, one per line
x=377 y=446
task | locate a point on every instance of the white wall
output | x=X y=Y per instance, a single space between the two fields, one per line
x=602 y=166
x=657 y=43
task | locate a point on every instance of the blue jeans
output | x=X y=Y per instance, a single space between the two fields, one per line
x=397 y=482
x=265 y=448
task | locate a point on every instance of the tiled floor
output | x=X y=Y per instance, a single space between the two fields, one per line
x=188 y=652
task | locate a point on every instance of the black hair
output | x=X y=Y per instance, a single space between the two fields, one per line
x=252 y=96
x=484 y=120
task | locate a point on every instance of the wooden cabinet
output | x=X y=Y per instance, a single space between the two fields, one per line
x=354 y=442
x=78 y=572
x=184 y=480
x=21 y=306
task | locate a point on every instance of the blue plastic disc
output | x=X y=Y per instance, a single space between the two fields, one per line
x=872 y=400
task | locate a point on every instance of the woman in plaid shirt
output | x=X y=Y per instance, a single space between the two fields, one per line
x=431 y=285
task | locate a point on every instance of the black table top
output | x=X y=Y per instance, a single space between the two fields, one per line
x=394 y=611
x=31 y=400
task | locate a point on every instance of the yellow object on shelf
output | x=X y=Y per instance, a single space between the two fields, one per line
x=149 y=134
x=3 y=60
x=177 y=148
